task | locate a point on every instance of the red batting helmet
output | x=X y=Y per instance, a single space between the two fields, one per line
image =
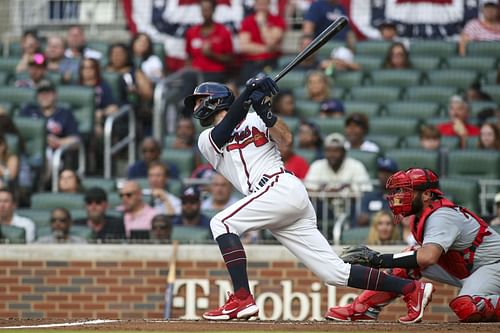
x=402 y=184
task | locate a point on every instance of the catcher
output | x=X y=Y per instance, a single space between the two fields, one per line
x=455 y=247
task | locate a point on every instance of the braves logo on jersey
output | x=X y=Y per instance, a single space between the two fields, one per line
x=245 y=137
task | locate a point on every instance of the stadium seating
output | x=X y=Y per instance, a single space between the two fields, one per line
x=494 y=91
x=306 y=109
x=292 y=80
x=428 y=93
x=448 y=142
x=348 y=79
x=482 y=65
x=395 y=78
x=16 y=96
x=41 y=217
x=394 y=126
x=425 y=63
x=370 y=109
x=376 y=94
x=413 y=109
x=474 y=164
x=373 y=48
x=411 y=158
x=462 y=191
x=368 y=63
x=108 y=185
x=182 y=158
x=456 y=78
x=308 y=154
x=484 y=49
x=491 y=77
x=13 y=234
x=330 y=125
x=51 y=200
x=385 y=142
x=82 y=100
x=300 y=92
x=477 y=106
x=354 y=236
x=291 y=122
x=7 y=108
x=8 y=65
x=438 y=48
x=326 y=50
x=368 y=159
x=115 y=81
x=76 y=230
x=12 y=143
x=4 y=78
x=34 y=133
x=187 y=234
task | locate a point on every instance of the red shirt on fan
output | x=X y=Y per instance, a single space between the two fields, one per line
x=220 y=41
x=298 y=165
x=446 y=129
x=249 y=24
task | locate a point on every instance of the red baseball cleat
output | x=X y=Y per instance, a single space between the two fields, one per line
x=234 y=308
x=416 y=301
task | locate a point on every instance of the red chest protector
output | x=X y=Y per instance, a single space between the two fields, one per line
x=457 y=263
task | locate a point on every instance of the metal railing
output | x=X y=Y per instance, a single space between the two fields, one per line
x=111 y=149
x=487 y=190
x=57 y=161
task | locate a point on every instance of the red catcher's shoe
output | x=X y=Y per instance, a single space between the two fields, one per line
x=234 y=308
x=416 y=301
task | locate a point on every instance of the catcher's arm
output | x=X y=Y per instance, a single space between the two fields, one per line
x=363 y=255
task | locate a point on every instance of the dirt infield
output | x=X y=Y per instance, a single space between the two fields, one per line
x=234 y=326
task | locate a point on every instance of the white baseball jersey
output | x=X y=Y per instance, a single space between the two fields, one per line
x=276 y=200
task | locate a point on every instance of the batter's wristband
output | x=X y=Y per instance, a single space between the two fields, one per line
x=400 y=260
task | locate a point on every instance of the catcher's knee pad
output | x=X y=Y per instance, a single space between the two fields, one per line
x=471 y=309
x=407 y=273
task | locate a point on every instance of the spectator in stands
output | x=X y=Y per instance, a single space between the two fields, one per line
x=69 y=182
x=318 y=90
x=474 y=93
x=151 y=150
x=260 y=37
x=9 y=164
x=309 y=137
x=62 y=127
x=458 y=111
x=161 y=228
x=90 y=76
x=406 y=232
x=37 y=71
x=150 y=64
x=209 y=46
x=388 y=30
x=356 y=128
x=284 y=103
x=383 y=231
x=320 y=15
x=162 y=200
x=337 y=172
x=496 y=219
x=484 y=28
x=397 y=57
x=30 y=45
x=221 y=194
x=138 y=214
x=77 y=45
x=185 y=134
x=341 y=59
x=430 y=137
x=60 y=225
x=9 y=217
x=191 y=210
x=57 y=62
x=310 y=63
x=489 y=137
x=104 y=228
x=293 y=162
x=374 y=201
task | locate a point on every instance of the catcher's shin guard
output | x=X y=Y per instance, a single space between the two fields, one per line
x=470 y=309
x=366 y=307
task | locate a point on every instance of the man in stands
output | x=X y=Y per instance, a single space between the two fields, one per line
x=9 y=217
x=458 y=111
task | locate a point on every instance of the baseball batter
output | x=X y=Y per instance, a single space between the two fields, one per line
x=242 y=147
x=456 y=247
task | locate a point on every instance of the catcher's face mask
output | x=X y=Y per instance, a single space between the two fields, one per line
x=400 y=195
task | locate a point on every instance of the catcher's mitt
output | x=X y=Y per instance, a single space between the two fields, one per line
x=361 y=255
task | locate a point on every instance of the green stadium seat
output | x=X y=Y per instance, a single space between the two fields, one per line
x=484 y=49
x=108 y=185
x=330 y=125
x=448 y=142
x=493 y=90
x=385 y=142
x=474 y=164
x=414 y=109
x=425 y=63
x=182 y=158
x=185 y=234
x=4 y=78
x=175 y=187
x=99 y=45
x=76 y=230
x=437 y=94
x=115 y=81
x=482 y=65
x=464 y=192
x=306 y=109
x=82 y=100
x=159 y=50
x=368 y=108
x=291 y=122
x=16 y=96
x=12 y=143
x=168 y=140
x=368 y=63
x=374 y=48
x=300 y=93
x=436 y=120
x=354 y=236
x=54 y=77
x=437 y=48
x=326 y=50
x=51 y=200
x=476 y=107
x=15 y=49
x=285 y=60
x=308 y=154
x=491 y=77
x=7 y=108
x=292 y=80
x=8 y=65
x=375 y=94
x=396 y=78
x=456 y=78
x=410 y=158
x=348 y=79
x=369 y=160
x=394 y=126
x=12 y=234
x=34 y=133
x=41 y=217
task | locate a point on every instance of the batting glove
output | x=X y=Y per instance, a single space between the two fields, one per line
x=264 y=84
x=262 y=107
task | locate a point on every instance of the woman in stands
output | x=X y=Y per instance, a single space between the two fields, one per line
x=382 y=230
x=309 y=137
x=30 y=45
x=319 y=90
x=489 y=137
x=149 y=63
x=397 y=57
x=284 y=103
x=9 y=164
x=69 y=182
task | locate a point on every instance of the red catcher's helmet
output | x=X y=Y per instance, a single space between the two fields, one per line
x=402 y=184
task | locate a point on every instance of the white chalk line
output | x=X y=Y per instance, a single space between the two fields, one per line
x=79 y=323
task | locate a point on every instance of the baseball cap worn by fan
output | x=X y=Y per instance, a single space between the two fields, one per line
x=342 y=53
x=334 y=140
x=387 y=164
x=95 y=194
x=45 y=85
x=190 y=193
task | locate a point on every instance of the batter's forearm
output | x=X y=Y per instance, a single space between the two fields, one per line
x=281 y=133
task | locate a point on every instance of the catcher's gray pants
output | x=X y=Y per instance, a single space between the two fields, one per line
x=283 y=206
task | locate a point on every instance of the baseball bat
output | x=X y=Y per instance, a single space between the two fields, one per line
x=169 y=289
x=315 y=44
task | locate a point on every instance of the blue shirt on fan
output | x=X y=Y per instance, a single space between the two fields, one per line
x=322 y=13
